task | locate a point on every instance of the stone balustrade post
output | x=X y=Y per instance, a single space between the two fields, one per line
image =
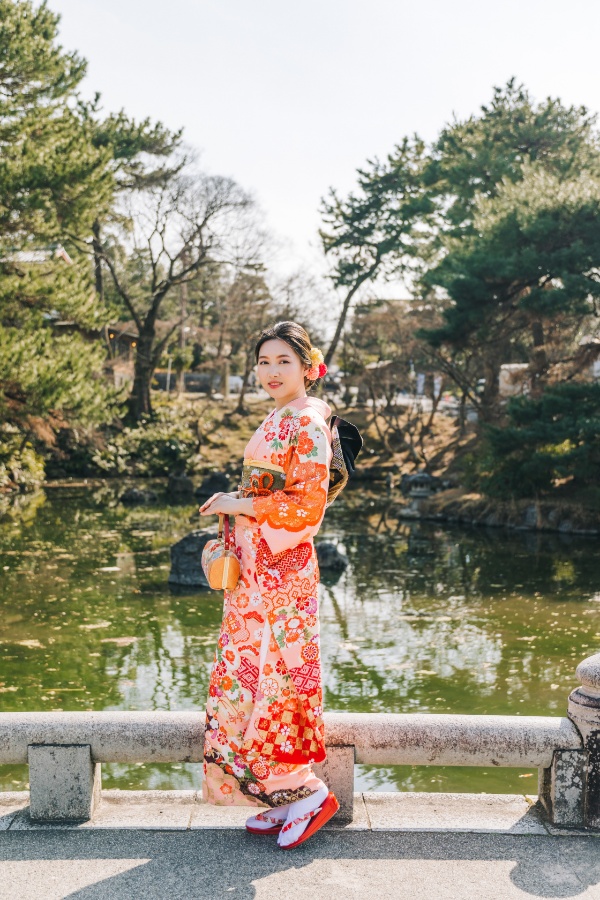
x=337 y=771
x=65 y=782
x=584 y=712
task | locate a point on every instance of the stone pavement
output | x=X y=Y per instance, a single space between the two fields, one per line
x=164 y=844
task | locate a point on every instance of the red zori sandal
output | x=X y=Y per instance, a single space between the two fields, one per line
x=319 y=816
x=274 y=829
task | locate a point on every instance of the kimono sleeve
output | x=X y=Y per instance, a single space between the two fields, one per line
x=294 y=514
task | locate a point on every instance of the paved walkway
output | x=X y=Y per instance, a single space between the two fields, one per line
x=168 y=845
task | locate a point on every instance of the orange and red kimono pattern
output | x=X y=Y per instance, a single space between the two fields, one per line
x=265 y=705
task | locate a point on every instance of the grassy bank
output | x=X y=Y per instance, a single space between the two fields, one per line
x=198 y=435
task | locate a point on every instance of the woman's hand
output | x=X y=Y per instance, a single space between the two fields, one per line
x=222 y=504
x=214 y=497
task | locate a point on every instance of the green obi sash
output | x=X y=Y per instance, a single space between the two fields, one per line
x=260 y=478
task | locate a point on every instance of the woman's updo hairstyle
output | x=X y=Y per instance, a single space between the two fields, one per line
x=296 y=337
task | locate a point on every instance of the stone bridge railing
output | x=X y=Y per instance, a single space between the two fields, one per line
x=65 y=750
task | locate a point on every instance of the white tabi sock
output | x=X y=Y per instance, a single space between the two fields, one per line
x=279 y=813
x=296 y=811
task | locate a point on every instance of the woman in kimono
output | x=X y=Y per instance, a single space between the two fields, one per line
x=265 y=706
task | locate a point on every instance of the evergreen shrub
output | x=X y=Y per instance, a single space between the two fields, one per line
x=547 y=440
x=20 y=466
x=154 y=447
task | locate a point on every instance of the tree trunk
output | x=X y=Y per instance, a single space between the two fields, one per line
x=462 y=414
x=342 y=319
x=183 y=298
x=435 y=402
x=97 y=248
x=139 y=402
x=382 y=435
x=240 y=408
x=491 y=388
x=539 y=358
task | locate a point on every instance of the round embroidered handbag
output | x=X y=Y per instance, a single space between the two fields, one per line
x=219 y=561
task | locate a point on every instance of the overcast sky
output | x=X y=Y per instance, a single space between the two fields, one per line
x=289 y=98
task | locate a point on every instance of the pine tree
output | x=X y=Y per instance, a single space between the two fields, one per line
x=63 y=167
x=522 y=285
x=555 y=437
x=476 y=157
x=373 y=232
x=53 y=180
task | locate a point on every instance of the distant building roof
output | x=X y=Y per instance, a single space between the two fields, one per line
x=38 y=255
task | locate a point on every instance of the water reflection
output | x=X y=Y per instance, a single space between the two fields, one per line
x=425 y=618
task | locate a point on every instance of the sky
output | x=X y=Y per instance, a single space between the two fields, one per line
x=289 y=99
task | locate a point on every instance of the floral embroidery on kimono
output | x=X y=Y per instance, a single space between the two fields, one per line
x=265 y=705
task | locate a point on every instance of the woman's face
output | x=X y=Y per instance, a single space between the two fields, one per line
x=281 y=372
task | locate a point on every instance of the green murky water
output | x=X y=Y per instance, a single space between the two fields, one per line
x=425 y=618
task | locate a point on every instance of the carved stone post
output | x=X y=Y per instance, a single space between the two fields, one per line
x=584 y=711
x=561 y=787
x=337 y=771
x=65 y=782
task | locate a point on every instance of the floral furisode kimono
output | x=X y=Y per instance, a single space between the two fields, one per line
x=265 y=705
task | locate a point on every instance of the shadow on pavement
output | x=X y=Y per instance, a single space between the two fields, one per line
x=93 y=865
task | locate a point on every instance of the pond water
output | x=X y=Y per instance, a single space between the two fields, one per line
x=425 y=619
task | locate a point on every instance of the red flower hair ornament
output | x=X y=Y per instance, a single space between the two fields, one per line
x=318 y=368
